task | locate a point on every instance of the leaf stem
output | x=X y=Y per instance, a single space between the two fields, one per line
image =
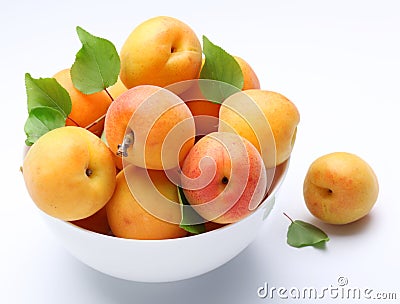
x=288 y=217
x=73 y=121
x=108 y=93
x=95 y=122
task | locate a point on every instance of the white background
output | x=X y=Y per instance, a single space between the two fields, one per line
x=338 y=61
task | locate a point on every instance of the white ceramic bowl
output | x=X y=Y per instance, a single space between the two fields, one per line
x=164 y=260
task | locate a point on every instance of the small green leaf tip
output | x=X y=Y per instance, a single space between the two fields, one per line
x=189 y=215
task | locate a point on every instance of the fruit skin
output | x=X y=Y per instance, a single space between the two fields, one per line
x=340 y=188
x=120 y=112
x=97 y=222
x=210 y=226
x=281 y=114
x=160 y=51
x=205 y=107
x=128 y=219
x=250 y=79
x=204 y=111
x=69 y=173
x=117 y=89
x=85 y=108
x=237 y=185
x=155 y=112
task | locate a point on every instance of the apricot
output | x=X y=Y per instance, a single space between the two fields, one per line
x=117 y=89
x=208 y=108
x=340 y=188
x=97 y=222
x=210 y=226
x=224 y=178
x=86 y=109
x=158 y=124
x=250 y=79
x=69 y=173
x=128 y=219
x=203 y=107
x=267 y=119
x=160 y=51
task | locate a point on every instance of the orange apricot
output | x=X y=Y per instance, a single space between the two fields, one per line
x=250 y=79
x=86 y=109
x=97 y=222
x=126 y=216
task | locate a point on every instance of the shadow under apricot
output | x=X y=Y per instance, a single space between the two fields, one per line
x=349 y=229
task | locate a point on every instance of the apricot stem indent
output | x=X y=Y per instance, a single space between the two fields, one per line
x=129 y=138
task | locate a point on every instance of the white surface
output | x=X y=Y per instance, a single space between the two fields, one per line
x=339 y=61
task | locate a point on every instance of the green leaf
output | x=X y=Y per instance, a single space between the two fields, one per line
x=189 y=216
x=40 y=121
x=221 y=66
x=96 y=65
x=301 y=234
x=47 y=92
x=103 y=137
x=216 y=91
